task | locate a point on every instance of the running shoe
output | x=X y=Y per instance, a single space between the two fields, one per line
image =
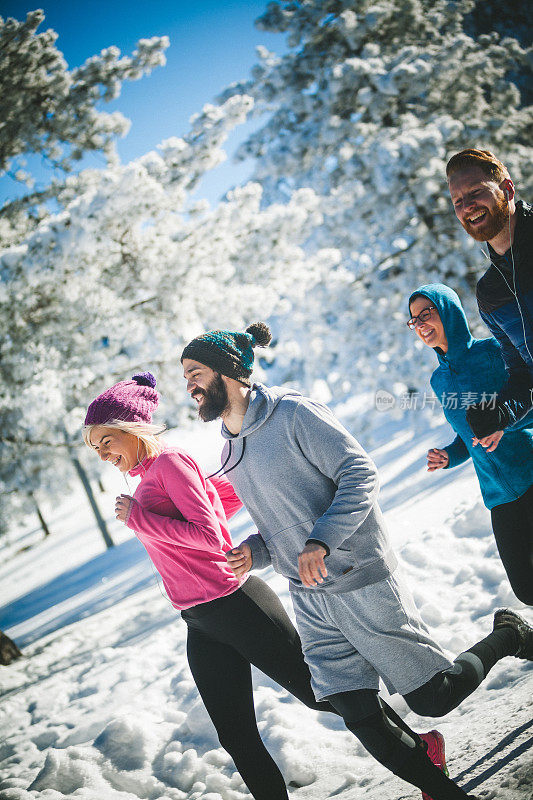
x=435 y=750
x=506 y=617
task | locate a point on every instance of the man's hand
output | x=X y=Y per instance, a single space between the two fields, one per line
x=490 y=443
x=240 y=559
x=487 y=421
x=311 y=566
x=437 y=459
x=122 y=506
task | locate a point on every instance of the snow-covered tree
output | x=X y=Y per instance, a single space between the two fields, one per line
x=366 y=107
x=347 y=214
x=51 y=112
x=123 y=277
x=46 y=109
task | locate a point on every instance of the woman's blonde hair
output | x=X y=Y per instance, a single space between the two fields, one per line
x=145 y=432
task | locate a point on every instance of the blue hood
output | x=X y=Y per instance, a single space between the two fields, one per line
x=470 y=369
x=451 y=312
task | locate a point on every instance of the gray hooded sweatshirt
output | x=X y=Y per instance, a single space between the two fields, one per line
x=302 y=476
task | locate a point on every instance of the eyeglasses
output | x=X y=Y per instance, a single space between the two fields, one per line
x=424 y=315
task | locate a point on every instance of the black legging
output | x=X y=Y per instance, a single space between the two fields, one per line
x=225 y=637
x=512 y=524
x=250 y=626
x=403 y=754
x=447 y=689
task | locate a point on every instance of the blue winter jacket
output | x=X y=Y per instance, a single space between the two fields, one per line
x=472 y=370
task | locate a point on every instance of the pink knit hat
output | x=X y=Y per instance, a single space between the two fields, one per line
x=127 y=401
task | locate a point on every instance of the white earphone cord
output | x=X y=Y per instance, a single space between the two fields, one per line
x=513 y=290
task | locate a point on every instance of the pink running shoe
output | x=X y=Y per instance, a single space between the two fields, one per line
x=435 y=751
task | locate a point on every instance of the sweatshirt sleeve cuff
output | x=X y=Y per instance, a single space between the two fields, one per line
x=260 y=555
x=128 y=521
x=322 y=544
x=457 y=453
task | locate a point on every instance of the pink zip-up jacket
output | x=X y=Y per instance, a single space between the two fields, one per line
x=180 y=516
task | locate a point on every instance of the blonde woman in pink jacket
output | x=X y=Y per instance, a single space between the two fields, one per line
x=180 y=516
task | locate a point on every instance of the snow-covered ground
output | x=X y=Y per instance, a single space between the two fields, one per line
x=103 y=707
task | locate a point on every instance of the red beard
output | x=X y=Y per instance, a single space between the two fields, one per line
x=493 y=223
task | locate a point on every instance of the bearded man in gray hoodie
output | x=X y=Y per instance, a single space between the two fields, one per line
x=312 y=491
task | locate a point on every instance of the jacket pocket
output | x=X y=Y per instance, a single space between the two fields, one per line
x=286 y=545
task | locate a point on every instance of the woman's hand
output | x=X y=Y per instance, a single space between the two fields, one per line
x=490 y=443
x=240 y=559
x=122 y=506
x=437 y=459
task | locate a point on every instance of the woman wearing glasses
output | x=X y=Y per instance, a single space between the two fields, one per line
x=470 y=371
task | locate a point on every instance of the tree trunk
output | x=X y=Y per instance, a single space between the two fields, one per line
x=8 y=650
x=42 y=520
x=92 y=500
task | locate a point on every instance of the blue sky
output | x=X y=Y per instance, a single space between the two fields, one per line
x=212 y=43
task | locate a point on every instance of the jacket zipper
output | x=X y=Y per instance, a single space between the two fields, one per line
x=489 y=457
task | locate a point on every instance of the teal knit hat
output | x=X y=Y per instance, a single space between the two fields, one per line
x=229 y=352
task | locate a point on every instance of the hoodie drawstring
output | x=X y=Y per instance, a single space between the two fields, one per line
x=228 y=458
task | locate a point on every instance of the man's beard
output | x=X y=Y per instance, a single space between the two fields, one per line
x=494 y=222
x=216 y=400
